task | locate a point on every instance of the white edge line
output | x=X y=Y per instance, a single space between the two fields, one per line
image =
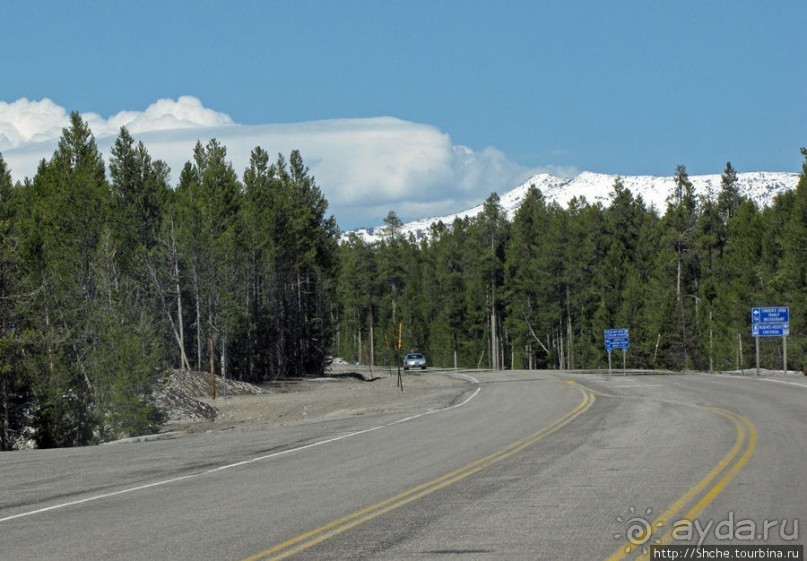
x=730 y=377
x=638 y=386
x=778 y=382
x=238 y=464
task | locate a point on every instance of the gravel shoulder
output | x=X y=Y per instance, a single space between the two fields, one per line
x=312 y=400
x=351 y=391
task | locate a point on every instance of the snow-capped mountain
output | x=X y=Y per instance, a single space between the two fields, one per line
x=760 y=187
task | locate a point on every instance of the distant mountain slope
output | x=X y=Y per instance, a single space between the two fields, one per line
x=760 y=187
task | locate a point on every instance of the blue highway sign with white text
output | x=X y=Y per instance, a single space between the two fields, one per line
x=771 y=321
x=616 y=339
x=771 y=314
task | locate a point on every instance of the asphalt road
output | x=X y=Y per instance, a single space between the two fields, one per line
x=522 y=465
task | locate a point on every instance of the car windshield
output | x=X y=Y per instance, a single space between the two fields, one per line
x=414 y=356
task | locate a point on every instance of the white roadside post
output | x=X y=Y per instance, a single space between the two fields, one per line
x=224 y=364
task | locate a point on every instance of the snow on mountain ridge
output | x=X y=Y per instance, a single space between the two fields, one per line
x=761 y=187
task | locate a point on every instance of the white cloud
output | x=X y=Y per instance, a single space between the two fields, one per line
x=25 y=121
x=187 y=112
x=361 y=165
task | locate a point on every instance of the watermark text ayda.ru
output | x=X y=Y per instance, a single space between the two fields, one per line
x=642 y=530
x=732 y=529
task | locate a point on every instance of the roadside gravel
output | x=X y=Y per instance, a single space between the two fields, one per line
x=312 y=400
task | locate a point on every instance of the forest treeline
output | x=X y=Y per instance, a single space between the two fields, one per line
x=110 y=277
x=539 y=291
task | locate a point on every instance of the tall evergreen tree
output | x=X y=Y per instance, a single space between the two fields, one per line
x=140 y=195
x=794 y=267
x=11 y=376
x=208 y=224
x=624 y=268
x=491 y=230
x=729 y=198
x=527 y=279
x=66 y=210
x=392 y=274
x=260 y=208
x=359 y=301
x=737 y=287
x=308 y=261
x=680 y=227
x=452 y=266
x=578 y=249
x=81 y=313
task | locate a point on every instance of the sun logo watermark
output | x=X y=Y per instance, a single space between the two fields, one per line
x=639 y=530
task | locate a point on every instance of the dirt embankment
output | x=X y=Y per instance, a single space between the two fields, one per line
x=190 y=408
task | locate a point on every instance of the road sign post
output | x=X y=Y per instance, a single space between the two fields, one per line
x=617 y=339
x=771 y=321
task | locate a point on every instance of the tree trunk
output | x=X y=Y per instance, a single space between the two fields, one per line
x=180 y=322
x=570 y=331
x=211 y=349
x=4 y=422
x=358 y=337
x=372 y=343
x=494 y=355
x=198 y=319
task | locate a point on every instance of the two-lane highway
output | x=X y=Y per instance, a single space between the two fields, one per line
x=523 y=465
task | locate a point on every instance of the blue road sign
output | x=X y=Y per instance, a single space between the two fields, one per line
x=771 y=314
x=771 y=321
x=770 y=330
x=616 y=339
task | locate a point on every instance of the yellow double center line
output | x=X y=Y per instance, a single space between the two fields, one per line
x=336 y=527
x=705 y=490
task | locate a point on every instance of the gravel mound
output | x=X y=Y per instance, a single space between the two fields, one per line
x=178 y=396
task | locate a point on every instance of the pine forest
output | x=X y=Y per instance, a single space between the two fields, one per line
x=110 y=277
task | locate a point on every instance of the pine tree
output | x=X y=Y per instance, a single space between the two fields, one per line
x=140 y=195
x=578 y=240
x=737 y=287
x=66 y=208
x=11 y=376
x=527 y=279
x=729 y=198
x=88 y=289
x=491 y=230
x=312 y=256
x=259 y=210
x=208 y=201
x=392 y=273
x=451 y=270
x=794 y=269
x=358 y=300
x=624 y=268
x=680 y=229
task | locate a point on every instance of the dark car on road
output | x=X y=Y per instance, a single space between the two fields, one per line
x=414 y=360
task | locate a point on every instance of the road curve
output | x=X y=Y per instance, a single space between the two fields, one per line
x=522 y=465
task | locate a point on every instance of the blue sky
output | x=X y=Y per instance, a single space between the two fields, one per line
x=501 y=88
